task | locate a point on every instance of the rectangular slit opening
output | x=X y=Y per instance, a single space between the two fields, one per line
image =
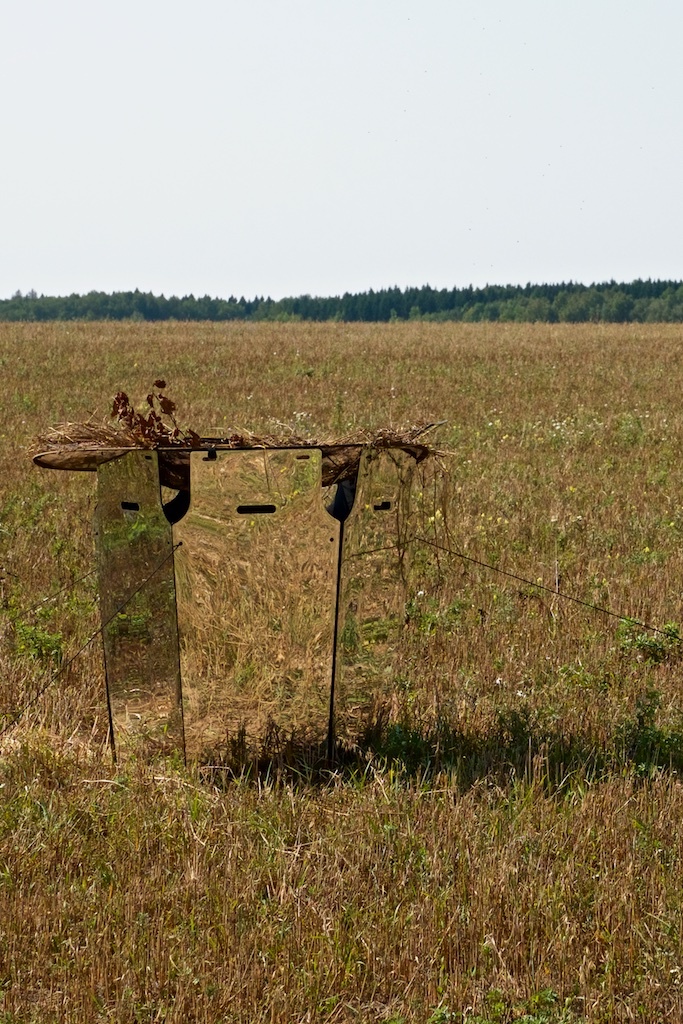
x=255 y=510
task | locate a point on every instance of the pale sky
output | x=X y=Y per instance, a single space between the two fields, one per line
x=283 y=147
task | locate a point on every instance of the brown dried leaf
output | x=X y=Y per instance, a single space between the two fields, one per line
x=167 y=406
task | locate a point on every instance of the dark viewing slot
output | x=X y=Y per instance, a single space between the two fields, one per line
x=255 y=510
x=382 y=506
x=130 y=506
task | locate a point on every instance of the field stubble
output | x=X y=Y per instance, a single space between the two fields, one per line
x=508 y=842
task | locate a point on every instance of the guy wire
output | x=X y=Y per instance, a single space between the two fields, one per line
x=549 y=590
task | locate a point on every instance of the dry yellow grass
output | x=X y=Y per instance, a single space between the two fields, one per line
x=514 y=845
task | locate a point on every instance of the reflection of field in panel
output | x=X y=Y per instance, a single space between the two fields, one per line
x=374 y=585
x=134 y=547
x=255 y=580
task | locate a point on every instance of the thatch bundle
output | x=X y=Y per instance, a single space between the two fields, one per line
x=85 y=446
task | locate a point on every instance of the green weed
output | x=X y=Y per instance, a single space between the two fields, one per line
x=648 y=646
x=38 y=643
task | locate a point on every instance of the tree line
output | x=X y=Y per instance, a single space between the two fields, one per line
x=610 y=302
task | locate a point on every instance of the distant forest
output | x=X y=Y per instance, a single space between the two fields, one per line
x=637 y=302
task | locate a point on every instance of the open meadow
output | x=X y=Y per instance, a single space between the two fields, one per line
x=506 y=842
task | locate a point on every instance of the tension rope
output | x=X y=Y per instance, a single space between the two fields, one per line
x=550 y=590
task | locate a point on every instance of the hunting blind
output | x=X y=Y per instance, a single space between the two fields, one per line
x=251 y=596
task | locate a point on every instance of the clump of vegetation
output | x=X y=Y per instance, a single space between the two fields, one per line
x=84 y=446
x=650 y=646
x=152 y=429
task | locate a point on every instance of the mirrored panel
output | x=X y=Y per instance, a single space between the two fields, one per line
x=138 y=608
x=256 y=583
x=375 y=581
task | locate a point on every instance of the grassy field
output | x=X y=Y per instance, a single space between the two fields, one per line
x=507 y=842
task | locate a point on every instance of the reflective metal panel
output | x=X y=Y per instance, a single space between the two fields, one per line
x=374 y=585
x=255 y=580
x=138 y=609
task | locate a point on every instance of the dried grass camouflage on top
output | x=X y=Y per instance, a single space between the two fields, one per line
x=84 y=446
